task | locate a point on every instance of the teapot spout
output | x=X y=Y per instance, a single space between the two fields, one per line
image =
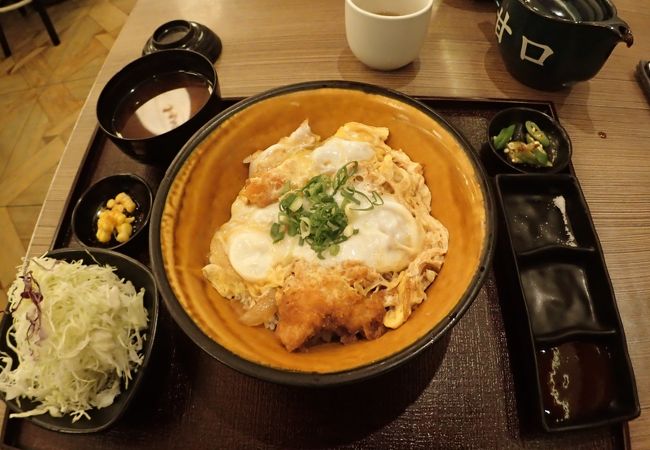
x=626 y=35
x=622 y=31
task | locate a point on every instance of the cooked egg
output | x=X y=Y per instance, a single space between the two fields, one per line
x=387 y=240
x=337 y=152
x=390 y=233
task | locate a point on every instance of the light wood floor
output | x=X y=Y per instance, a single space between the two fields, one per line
x=42 y=89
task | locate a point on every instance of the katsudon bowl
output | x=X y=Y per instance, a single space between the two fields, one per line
x=195 y=198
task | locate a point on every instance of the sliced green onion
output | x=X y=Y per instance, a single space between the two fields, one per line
x=305 y=227
x=296 y=204
x=276 y=233
x=313 y=214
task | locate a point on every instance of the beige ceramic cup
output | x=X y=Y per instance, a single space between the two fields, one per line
x=387 y=34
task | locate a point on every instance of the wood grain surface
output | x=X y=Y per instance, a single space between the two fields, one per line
x=272 y=43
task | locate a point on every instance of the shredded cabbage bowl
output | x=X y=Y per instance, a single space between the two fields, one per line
x=77 y=333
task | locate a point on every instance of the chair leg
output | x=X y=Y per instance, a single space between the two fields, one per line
x=4 y=43
x=47 y=22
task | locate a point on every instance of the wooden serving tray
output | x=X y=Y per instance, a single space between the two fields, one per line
x=463 y=391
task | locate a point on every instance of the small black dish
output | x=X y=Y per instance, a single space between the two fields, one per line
x=560 y=158
x=100 y=419
x=575 y=371
x=91 y=202
x=163 y=98
x=187 y=35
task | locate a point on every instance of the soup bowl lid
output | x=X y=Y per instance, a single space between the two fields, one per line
x=185 y=34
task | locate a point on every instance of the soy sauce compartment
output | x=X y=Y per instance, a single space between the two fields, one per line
x=585 y=381
x=566 y=292
x=544 y=210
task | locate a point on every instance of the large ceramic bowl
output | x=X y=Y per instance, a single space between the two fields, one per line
x=195 y=196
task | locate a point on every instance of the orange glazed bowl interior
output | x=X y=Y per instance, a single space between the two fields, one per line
x=195 y=196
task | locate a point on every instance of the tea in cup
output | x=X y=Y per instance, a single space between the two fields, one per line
x=387 y=34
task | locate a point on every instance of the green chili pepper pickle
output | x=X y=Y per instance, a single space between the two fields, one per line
x=534 y=151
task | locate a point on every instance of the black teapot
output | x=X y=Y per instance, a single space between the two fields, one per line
x=552 y=44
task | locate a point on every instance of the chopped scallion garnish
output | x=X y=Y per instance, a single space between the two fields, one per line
x=312 y=213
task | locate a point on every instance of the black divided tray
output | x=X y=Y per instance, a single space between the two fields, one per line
x=469 y=390
x=577 y=353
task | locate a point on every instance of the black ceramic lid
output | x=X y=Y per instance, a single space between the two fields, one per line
x=183 y=34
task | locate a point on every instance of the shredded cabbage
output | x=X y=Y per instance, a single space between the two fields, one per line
x=88 y=339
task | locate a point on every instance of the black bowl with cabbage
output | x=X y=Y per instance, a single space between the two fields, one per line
x=34 y=292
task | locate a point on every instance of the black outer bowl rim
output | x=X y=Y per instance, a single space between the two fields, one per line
x=524 y=169
x=314 y=379
x=136 y=380
x=121 y=74
x=134 y=236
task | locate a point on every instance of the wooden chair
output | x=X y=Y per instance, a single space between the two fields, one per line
x=10 y=5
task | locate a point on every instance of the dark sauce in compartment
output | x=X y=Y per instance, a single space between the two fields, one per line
x=160 y=104
x=538 y=220
x=577 y=381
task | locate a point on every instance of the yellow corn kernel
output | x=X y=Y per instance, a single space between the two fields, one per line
x=105 y=224
x=123 y=232
x=130 y=206
x=114 y=219
x=125 y=200
x=103 y=236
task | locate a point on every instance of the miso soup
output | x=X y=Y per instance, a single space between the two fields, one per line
x=160 y=104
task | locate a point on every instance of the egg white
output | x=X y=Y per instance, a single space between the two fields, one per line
x=388 y=238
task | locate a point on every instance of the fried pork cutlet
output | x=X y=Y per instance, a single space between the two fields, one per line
x=317 y=300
